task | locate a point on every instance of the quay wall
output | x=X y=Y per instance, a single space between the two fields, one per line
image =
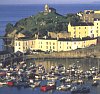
x=93 y=52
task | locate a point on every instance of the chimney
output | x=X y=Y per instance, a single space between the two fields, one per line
x=45 y=37
x=57 y=37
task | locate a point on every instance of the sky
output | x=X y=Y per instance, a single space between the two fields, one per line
x=45 y=1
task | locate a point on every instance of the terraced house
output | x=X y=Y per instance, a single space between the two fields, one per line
x=51 y=44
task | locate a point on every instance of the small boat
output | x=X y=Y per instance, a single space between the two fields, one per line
x=52 y=77
x=37 y=84
x=96 y=78
x=62 y=79
x=78 y=82
x=32 y=86
x=10 y=83
x=2 y=83
x=95 y=83
x=80 y=89
x=45 y=88
x=51 y=83
x=64 y=87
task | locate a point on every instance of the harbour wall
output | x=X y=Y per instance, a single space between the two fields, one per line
x=93 y=52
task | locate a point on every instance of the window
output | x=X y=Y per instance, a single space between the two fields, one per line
x=16 y=43
x=85 y=27
x=97 y=23
x=60 y=46
x=74 y=36
x=53 y=43
x=53 y=47
x=74 y=32
x=97 y=27
x=32 y=42
x=47 y=43
x=41 y=46
x=50 y=43
x=19 y=43
x=97 y=31
x=74 y=28
x=46 y=47
x=79 y=28
x=41 y=42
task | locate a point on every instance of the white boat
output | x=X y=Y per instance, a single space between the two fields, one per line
x=32 y=86
x=52 y=77
x=78 y=81
x=64 y=87
x=51 y=83
x=37 y=84
x=3 y=83
x=96 y=78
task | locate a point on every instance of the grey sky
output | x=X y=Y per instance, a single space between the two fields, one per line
x=44 y=1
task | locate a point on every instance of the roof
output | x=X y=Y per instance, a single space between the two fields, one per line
x=60 y=39
x=25 y=38
x=96 y=19
x=97 y=16
x=76 y=39
x=82 y=24
x=48 y=38
x=26 y=33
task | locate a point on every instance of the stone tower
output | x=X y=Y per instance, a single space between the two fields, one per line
x=46 y=8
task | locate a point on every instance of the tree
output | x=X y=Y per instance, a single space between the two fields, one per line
x=9 y=28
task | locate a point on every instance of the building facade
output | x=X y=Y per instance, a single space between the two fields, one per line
x=80 y=30
x=85 y=29
x=4 y=55
x=89 y=15
x=47 y=44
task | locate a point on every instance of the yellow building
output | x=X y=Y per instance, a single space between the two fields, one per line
x=85 y=29
x=96 y=27
x=64 y=34
x=23 y=45
x=80 y=30
x=47 y=44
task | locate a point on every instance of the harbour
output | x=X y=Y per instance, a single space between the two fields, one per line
x=67 y=73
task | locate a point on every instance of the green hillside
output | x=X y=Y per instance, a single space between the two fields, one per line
x=42 y=23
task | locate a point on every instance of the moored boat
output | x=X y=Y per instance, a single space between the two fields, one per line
x=64 y=87
x=47 y=87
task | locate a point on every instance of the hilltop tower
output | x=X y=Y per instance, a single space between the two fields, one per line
x=46 y=8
